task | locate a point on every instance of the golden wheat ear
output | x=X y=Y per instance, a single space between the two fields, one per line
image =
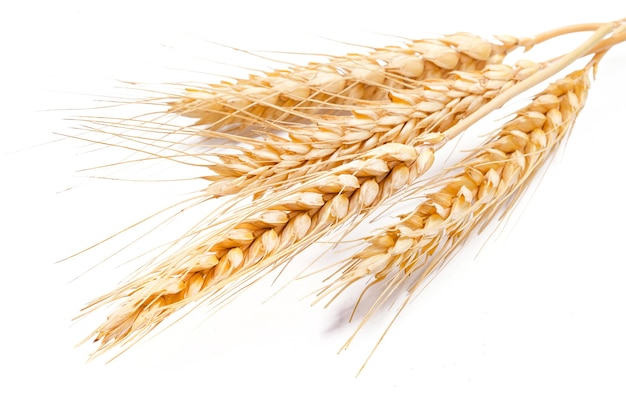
x=286 y=152
x=294 y=94
x=308 y=207
x=296 y=206
x=254 y=239
x=431 y=106
x=405 y=254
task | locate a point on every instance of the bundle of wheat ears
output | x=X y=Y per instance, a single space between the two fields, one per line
x=304 y=151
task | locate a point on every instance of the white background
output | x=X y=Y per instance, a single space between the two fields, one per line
x=534 y=323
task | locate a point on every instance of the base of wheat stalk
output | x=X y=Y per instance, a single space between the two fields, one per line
x=318 y=148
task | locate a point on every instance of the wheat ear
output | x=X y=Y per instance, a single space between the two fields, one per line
x=492 y=178
x=225 y=254
x=270 y=231
x=359 y=186
x=294 y=93
x=432 y=106
x=278 y=160
x=298 y=91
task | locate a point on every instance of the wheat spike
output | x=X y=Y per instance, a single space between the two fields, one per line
x=324 y=201
x=268 y=234
x=294 y=93
x=328 y=182
x=432 y=106
x=493 y=177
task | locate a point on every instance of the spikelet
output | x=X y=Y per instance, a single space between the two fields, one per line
x=335 y=141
